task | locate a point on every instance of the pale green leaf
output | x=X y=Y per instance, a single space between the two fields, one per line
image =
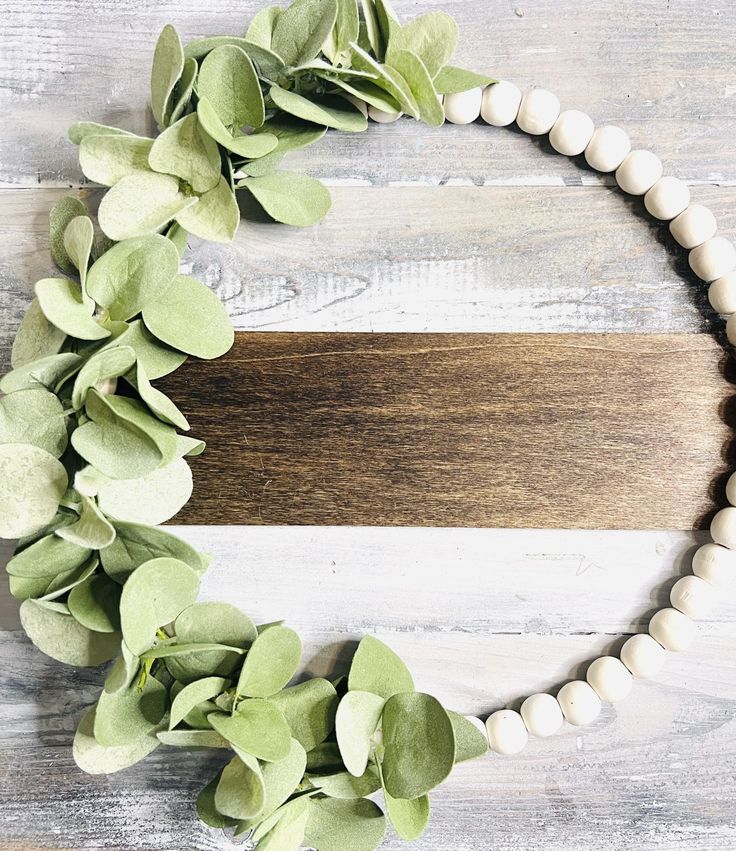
x=257 y=727
x=250 y=146
x=157 y=358
x=332 y=112
x=206 y=810
x=34 y=416
x=63 y=211
x=408 y=817
x=377 y=669
x=182 y=94
x=268 y=65
x=141 y=204
x=345 y=785
x=309 y=709
x=470 y=742
x=241 y=792
x=133 y=713
x=260 y=30
x=358 y=716
x=154 y=595
x=289 y=197
x=190 y=318
x=179 y=237
x=158 y=402
x=389 y=79
x=451 y=80
x=336 y=825
x=95 y=603
x=186 y=151
x=371 y=93
x=192 y=695
x=100 y=367
x=229 y=81
x=61 y=302
x=92 y=529
x=345 y=31
x=431 y=37
x=192 y=739
x=168 y=65
x=79 y=131
x=109 y=158
x=49 y=372
x=94 y=758
x=413 y=70
x=372 y=29
x=79 y=237
x=63 y=583
x=32 y=484
x=301 y=29
x=135 y=544
x=291 y=133
x=35 y=338
x=287 y=834
x=271 y=662
x=215 y=217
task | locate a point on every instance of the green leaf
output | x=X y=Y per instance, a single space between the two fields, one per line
x=179 y=237
x=271 y=662
x=135 y=544
x=335 y=825
x=345 y=31
x=284 y=830
x=470 y=742
x=345 y=785
x=47 y=558
x=229 y=81
x=32 y=484
x=155 y=594
x=409 y=817
x=48 y=372
x=332 y=112
x=261 y=27
x=216 y=217
x=371 y=93
x=282 y=777
x=95 y=604
x=389 y=79
x=290 y=197
x=301 y=30
x=432 y=38
x=257 y=727
x=168 y=65
x=187 y=152
x=157 y=359
x=253 y=145
x=413 y=70
x=94 y=758
x=452 y=80
x=419 y=744
x=109 y=158
x=291 y=133
x=133 y=273
x=92 y=529
x=372 y=29
x=377 y=669
x=102 y=366
x=141 y=204
x=192 y=739
x=358 y=716
x=79 y=131
x=325 y=759
x=34 y=416
x=190 y=318
x=63 y=583
x=63 y=211
x=79 y=237
x=36 y=337
x=61 y=302
x=194 y=694
x=206 y=810
x=217 y=622
x=309 y=709
x=133 y=713
x=388 y=20
x=268 y=65
x=121 y=439
x=241 y=792
x=57 y=634
x=182 y=92
x=158 y=402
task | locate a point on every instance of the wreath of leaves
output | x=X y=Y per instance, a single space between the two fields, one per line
x=91 y=453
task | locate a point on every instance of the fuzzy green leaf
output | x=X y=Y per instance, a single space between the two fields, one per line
x=271 y=662
x=358 y=716
x=290 y=197
x=35 y=338
x=301 y=30
x=168 y=65
x=94 y=758
x=109 y=158
x=377 y=669
x=310 y=710
x=215 y=217
x=135 y=544
x=34 y=416
x=95 y=603
x=257 y=727
x=249 y=146
x=241 y=792
x=32 y=484
x=63 y=211
x=61 y=302
x=92 y=529
x=452 y=80
x=336 y=824
x=332 y=112
x=229 y=81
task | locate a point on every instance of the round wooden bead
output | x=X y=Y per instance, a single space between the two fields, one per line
x=693 y=596
x=542 y=714
x=610 y=678
x=607 y=148
x=500 y=103
x=715 y=564
x=579 y=703
x=538 y=112
x=673 y=630
x=731 y=489
x=643 y=656
x=667 y=198
x=722 y=294
x=380 y=116
x=571 y=133
x=507 y=733
x=693 y=226
x=713 y=259
x=723 y=525
x=639 y=172
x=463 y=107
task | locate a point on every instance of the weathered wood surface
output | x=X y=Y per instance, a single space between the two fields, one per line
x=545 y=246
x=507 y=430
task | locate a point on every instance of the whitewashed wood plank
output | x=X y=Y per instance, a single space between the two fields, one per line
x=664 y=71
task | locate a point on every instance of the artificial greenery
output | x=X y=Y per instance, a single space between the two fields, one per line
x=92 y=454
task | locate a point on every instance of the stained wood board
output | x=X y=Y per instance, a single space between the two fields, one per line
x=509 y=430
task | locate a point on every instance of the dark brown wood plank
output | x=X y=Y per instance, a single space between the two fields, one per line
x=509 y=430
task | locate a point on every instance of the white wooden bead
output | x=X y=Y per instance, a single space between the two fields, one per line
x=538 y=112
x=463 y=107
x=715 y=564
x=380 y=116
x=500 y=103
x=713 y=259
x=723 y=525
x=607 y=148
x=542 y=714
x=571 y=133
x=667 y=198
x=507 y=733
x=639 y=172
x=643 y=656
x=579 y=703
x=693 y=596
x=673 y=630
x=610 y=678
x=722 y=294
x=694 y=226
x=731 y=489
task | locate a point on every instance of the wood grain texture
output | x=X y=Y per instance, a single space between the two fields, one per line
x=662 y=69
x=508 y=430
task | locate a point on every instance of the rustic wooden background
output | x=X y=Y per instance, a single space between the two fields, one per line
x=451 y=230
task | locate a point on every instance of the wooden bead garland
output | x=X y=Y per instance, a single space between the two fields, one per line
x=579 y=702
